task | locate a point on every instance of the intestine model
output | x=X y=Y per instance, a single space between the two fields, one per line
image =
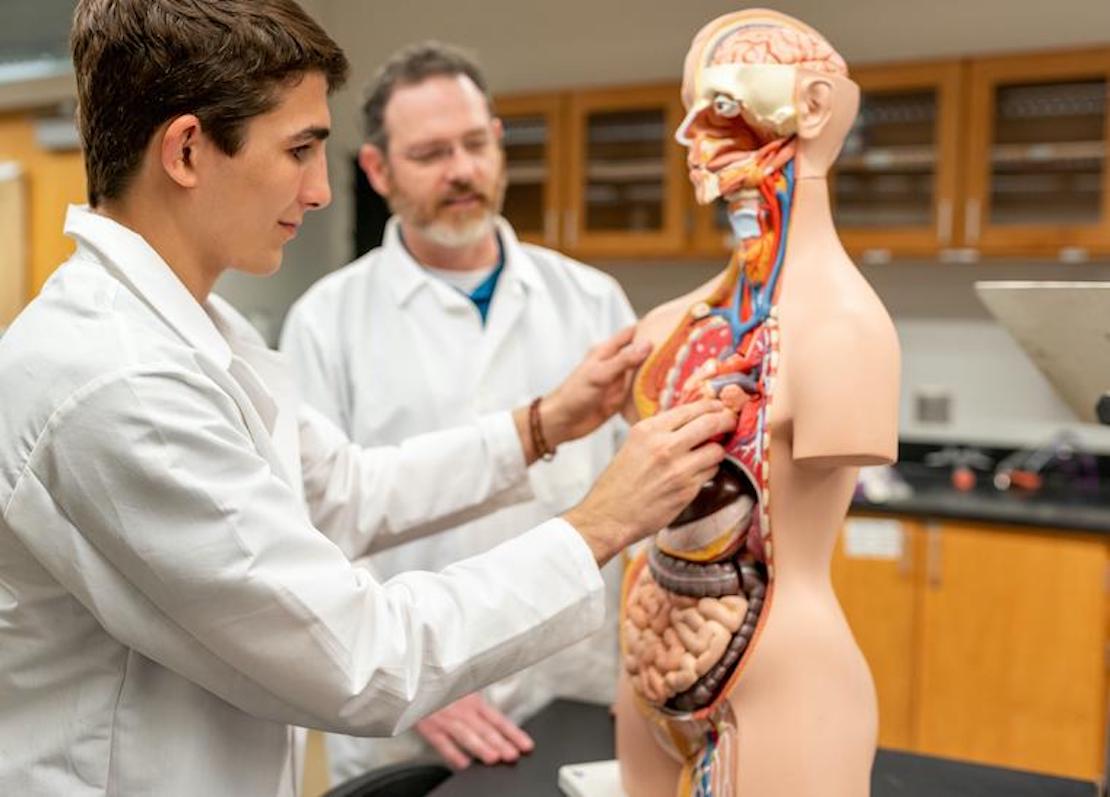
x=737 y=660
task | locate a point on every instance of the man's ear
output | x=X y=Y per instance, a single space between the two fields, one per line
x=181 y=144
x=372 y=162
x=814 y=103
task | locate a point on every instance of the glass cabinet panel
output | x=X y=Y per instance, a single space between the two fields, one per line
x=624 y=171
x=527 y=143
x=1048 y=153
x=886 y=173
x=1038 y=135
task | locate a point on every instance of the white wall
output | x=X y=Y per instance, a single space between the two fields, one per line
x=947 y=339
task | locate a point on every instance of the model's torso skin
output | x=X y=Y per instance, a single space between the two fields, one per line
x=803 y=703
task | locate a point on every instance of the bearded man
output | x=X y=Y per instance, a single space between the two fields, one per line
x=449 y=318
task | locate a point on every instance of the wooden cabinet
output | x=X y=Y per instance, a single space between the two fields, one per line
x=895 y=187
x=879 y=595
x=1012 y=662
x=949 y=160
x=13 y=242
x=534 y=151
x=626 y=179
x=1039 y=136
x=988 y=643
x=990 y=156
x=1002 y=156
x=52 y=181
x=597 y=173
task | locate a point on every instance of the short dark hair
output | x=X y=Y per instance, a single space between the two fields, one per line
x=407 y=67
x=140 y=63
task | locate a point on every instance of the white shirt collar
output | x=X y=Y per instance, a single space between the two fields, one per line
x=409 y=275
x=141 y=268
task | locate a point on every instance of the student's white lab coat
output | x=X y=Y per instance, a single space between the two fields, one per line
x=387 y=351
x=166 y=604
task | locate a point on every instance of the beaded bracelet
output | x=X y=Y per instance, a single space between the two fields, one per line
x=539 y=442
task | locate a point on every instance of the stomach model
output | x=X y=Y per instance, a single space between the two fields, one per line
x=693 y=600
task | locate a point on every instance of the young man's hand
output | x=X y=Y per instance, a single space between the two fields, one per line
x=662 y=465
x=471 y=729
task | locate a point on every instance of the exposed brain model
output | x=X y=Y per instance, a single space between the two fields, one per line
x=773 y=44
x=698 y=630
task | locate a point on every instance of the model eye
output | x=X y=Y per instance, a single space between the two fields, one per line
x=301 y=152
x=726 y=106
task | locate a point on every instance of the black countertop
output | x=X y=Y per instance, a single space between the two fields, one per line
x=569 y=732
x=1056 y=506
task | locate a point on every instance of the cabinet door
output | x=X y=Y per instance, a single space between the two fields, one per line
x=894 y=186
x=875 y=566
x=52 y=181
x=1012 y=668
x=1038 y=137
x=627 y=185
x=13 y=242
x=533 y=153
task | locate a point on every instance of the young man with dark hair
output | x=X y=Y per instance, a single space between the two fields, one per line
x=176 y=529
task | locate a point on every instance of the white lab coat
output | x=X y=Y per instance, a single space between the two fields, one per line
x=167 y=606
x=387 y=351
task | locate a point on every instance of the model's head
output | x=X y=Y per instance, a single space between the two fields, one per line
x=212 y=112
x=760 y=89
x=433 y=146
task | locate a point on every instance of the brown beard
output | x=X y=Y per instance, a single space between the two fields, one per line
x=403 y=205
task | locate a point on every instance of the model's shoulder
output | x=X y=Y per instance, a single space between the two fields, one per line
x=847 y=301
x=851 y=323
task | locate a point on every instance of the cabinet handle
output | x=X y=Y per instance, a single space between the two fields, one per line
x=551 y=227
x=971 y=220
x=570 y=227
x=934 y=557
x=944 y=222
x=875 y=257
x=905 y=561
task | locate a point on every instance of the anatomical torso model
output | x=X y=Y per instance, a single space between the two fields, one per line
x=740 y=674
